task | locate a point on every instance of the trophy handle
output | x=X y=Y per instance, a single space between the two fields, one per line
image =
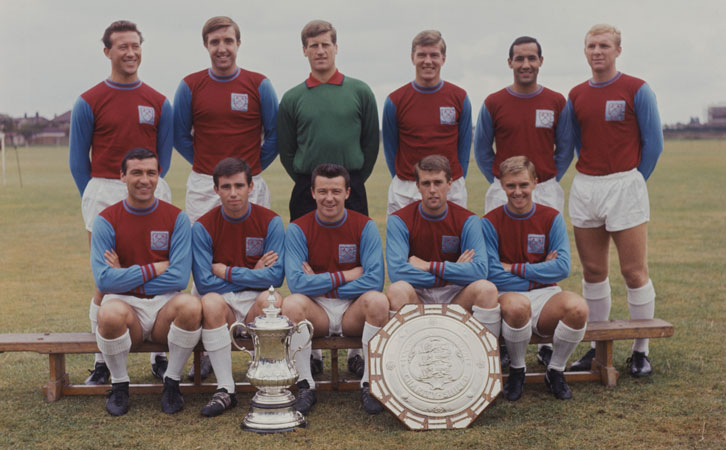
x=296 y=329
x=231 y=335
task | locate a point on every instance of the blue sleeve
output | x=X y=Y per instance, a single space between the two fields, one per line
x=466 y=273
x=371 y=259
x=261 y=279
x=464 y=139
x=651 y=132
x=81 y=134
x=397 y=248
x=176 y=276
x=183 y=141
x=505 y=281
x=555 y=270
x=575 y=128
x=483 y=140
x=268 y=106
x=108 y=279
x=563 y=142
x=390 y=135
x=202 y=259
x=165 y=137
x=296 y=251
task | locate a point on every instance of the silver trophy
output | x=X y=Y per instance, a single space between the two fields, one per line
x=272 y=372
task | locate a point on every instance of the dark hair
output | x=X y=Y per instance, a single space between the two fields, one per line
x=119 y=25
x=433 y=163
x=139 y=153
x=524 y=40
x=215 y=23
x=316 y=28
x=231 y=166
x=329 y=170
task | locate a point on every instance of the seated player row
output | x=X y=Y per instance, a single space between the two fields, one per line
x=143 y=249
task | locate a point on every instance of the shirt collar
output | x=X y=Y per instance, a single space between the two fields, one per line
x=336 y=79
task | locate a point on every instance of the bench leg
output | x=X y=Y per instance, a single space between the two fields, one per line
x=334 y=368
x=603 y=363
x=58 y=377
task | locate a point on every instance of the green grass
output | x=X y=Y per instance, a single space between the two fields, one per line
x=45 y=285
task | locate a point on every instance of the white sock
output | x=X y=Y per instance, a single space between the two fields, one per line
x=641 y=303
x=218 y=345
x=565 y=341
x=368 y=332
x=353 y=352
x=598 y=300
x=181 y=345
x=115 y=352
x=517 y=340
x=317 y=354
x=302 y=358
x=93 y=315
x=491 y=318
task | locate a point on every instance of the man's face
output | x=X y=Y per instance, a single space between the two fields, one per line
x=601 y=52
x=428 y=60
x=434 y=188
x=321 y=52
x=141 y=178
x=222 y=46
x=234 y=192
x=125 y=53
x=330 y=195
x=518 y=187
x=525 y=64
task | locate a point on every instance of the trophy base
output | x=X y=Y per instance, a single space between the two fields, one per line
x=265 y=417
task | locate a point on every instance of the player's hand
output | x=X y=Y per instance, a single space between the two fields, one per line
x=507 y=267
x=551 y=255
x=467 y=256
x=307 y=269
x=353 y=274
x=219 y=270
x=419 y=263
x=266 y=260
x=160 y=267
x=112 y=258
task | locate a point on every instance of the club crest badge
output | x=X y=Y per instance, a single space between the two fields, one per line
x=146 y=115
x=449 y=244
x=347 y=253
x=615 y=110
x=254 y=246
x=160 y=240
x=239 y=102
x=447 y=115
x=535 y=243
x=545 y=118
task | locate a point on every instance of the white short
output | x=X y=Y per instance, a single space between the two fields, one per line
x=101 y=193
x=201 y=196
x=538 y=298
x=241 y=301
x=334 y=308
x=443 y=294
x=619 y=201
x=402 y=193
x=548 y=193
x=146 y=309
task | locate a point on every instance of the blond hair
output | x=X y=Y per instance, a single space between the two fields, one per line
x=515 y=165
x=602 y=28
x=429 y=37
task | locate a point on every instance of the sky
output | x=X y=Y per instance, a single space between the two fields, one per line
x=51 y=51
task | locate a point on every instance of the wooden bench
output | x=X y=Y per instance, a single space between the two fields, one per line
x=58 y=345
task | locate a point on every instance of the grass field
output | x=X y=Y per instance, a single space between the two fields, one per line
x=45 y=285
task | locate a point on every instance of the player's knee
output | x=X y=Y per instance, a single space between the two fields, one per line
x=377 y=302
x=189 y=308
x=112 y=317
x=293 y=307
x=399 y=294
x=213 y=307
x=576 y=311
x=516 y=310
x=486 y=294
x=635 y=277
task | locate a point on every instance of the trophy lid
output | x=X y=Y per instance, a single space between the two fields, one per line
x=272 y=319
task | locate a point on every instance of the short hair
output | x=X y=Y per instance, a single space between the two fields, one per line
x=118 y=26
x=231 y=166
x=429 y=37
x=524 y=40
x=316 y=28
x=602 y=28
x=217 y=22
x=139 y=153
x=433 y=163
x=515 y=165
x=330 y=170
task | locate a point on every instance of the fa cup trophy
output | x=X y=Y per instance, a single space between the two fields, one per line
x=271 y=371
